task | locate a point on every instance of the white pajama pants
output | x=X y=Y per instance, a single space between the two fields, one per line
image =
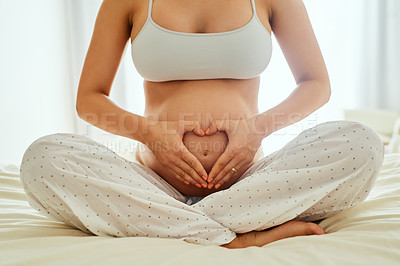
x=324 y=170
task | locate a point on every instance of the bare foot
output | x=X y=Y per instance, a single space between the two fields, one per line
x=286 y=230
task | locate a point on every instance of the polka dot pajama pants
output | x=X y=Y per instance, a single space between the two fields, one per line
x=324 y=170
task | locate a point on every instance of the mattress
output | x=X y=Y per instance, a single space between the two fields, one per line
x=368 y=234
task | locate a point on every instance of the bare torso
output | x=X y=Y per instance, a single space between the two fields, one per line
x=200 y=100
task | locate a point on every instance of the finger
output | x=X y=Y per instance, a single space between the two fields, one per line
x=226 y=173
x=222 y=125
x=221 y=162
x=199 y=172
x=179 y=174
x=177 y=159
x=170 y=163
x=212 y=128
x=195 y=127
x=230 y=174
x=183 y=176
x=189 y=173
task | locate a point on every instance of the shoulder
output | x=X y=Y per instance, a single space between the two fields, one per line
x=280 y=6
x=125 y=8
x=286 y=12
x=283 y=3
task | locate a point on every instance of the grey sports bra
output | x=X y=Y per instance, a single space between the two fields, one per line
x=160 y=54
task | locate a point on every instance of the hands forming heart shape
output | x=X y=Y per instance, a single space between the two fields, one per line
x=164 y=139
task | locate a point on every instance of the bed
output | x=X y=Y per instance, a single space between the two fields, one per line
x=368 y=234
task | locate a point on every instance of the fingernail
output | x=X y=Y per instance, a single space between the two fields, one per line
x=202 y=131
x=186 y=182
x=204 y=185
x=217 y=186
x=210 y=179
x=210 y=186
x=198 y=185
x=205 y=178
x=208 y=130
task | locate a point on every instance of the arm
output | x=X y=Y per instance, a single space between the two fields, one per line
x=111 y=32
x=110 y=35
x=292 y=28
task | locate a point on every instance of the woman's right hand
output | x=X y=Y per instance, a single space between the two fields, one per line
x=164 y=139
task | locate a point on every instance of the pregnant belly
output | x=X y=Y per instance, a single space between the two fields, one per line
x=202 y=101
x=206 y=149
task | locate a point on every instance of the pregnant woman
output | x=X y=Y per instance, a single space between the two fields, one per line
x=199 y=173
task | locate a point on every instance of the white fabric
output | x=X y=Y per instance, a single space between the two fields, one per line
x=394 y=144
x=161 y=54
x=326 y=169
x=368 y=234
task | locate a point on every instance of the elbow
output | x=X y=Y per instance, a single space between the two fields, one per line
x=327 y=94
x=78 y=106
x=86 y=106
x=325 y=91
x=81 y=106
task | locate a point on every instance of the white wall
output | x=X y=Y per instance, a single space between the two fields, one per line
x=35 y=95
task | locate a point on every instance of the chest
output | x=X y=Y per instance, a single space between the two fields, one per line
x=207 y=16
x=188 y=40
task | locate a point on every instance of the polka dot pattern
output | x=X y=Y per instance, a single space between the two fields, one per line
x=82 y=183
x=326 y=169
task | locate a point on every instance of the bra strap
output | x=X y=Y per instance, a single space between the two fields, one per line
x=150 y=7
x=253 y=5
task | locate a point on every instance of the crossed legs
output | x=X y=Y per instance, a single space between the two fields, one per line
x=326 y=169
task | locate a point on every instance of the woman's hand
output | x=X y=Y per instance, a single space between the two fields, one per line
x=164 y=139
x=244 y=141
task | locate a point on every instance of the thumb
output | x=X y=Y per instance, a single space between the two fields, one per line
x=212 y=129
x=195 y=127
x=222 y=125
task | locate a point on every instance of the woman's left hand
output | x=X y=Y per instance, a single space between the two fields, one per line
x=244 y=141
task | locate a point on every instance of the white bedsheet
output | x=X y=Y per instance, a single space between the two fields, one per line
x=368 y=234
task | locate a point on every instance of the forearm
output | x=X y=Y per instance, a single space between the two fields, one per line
x=99 y=110
x=304 y=100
